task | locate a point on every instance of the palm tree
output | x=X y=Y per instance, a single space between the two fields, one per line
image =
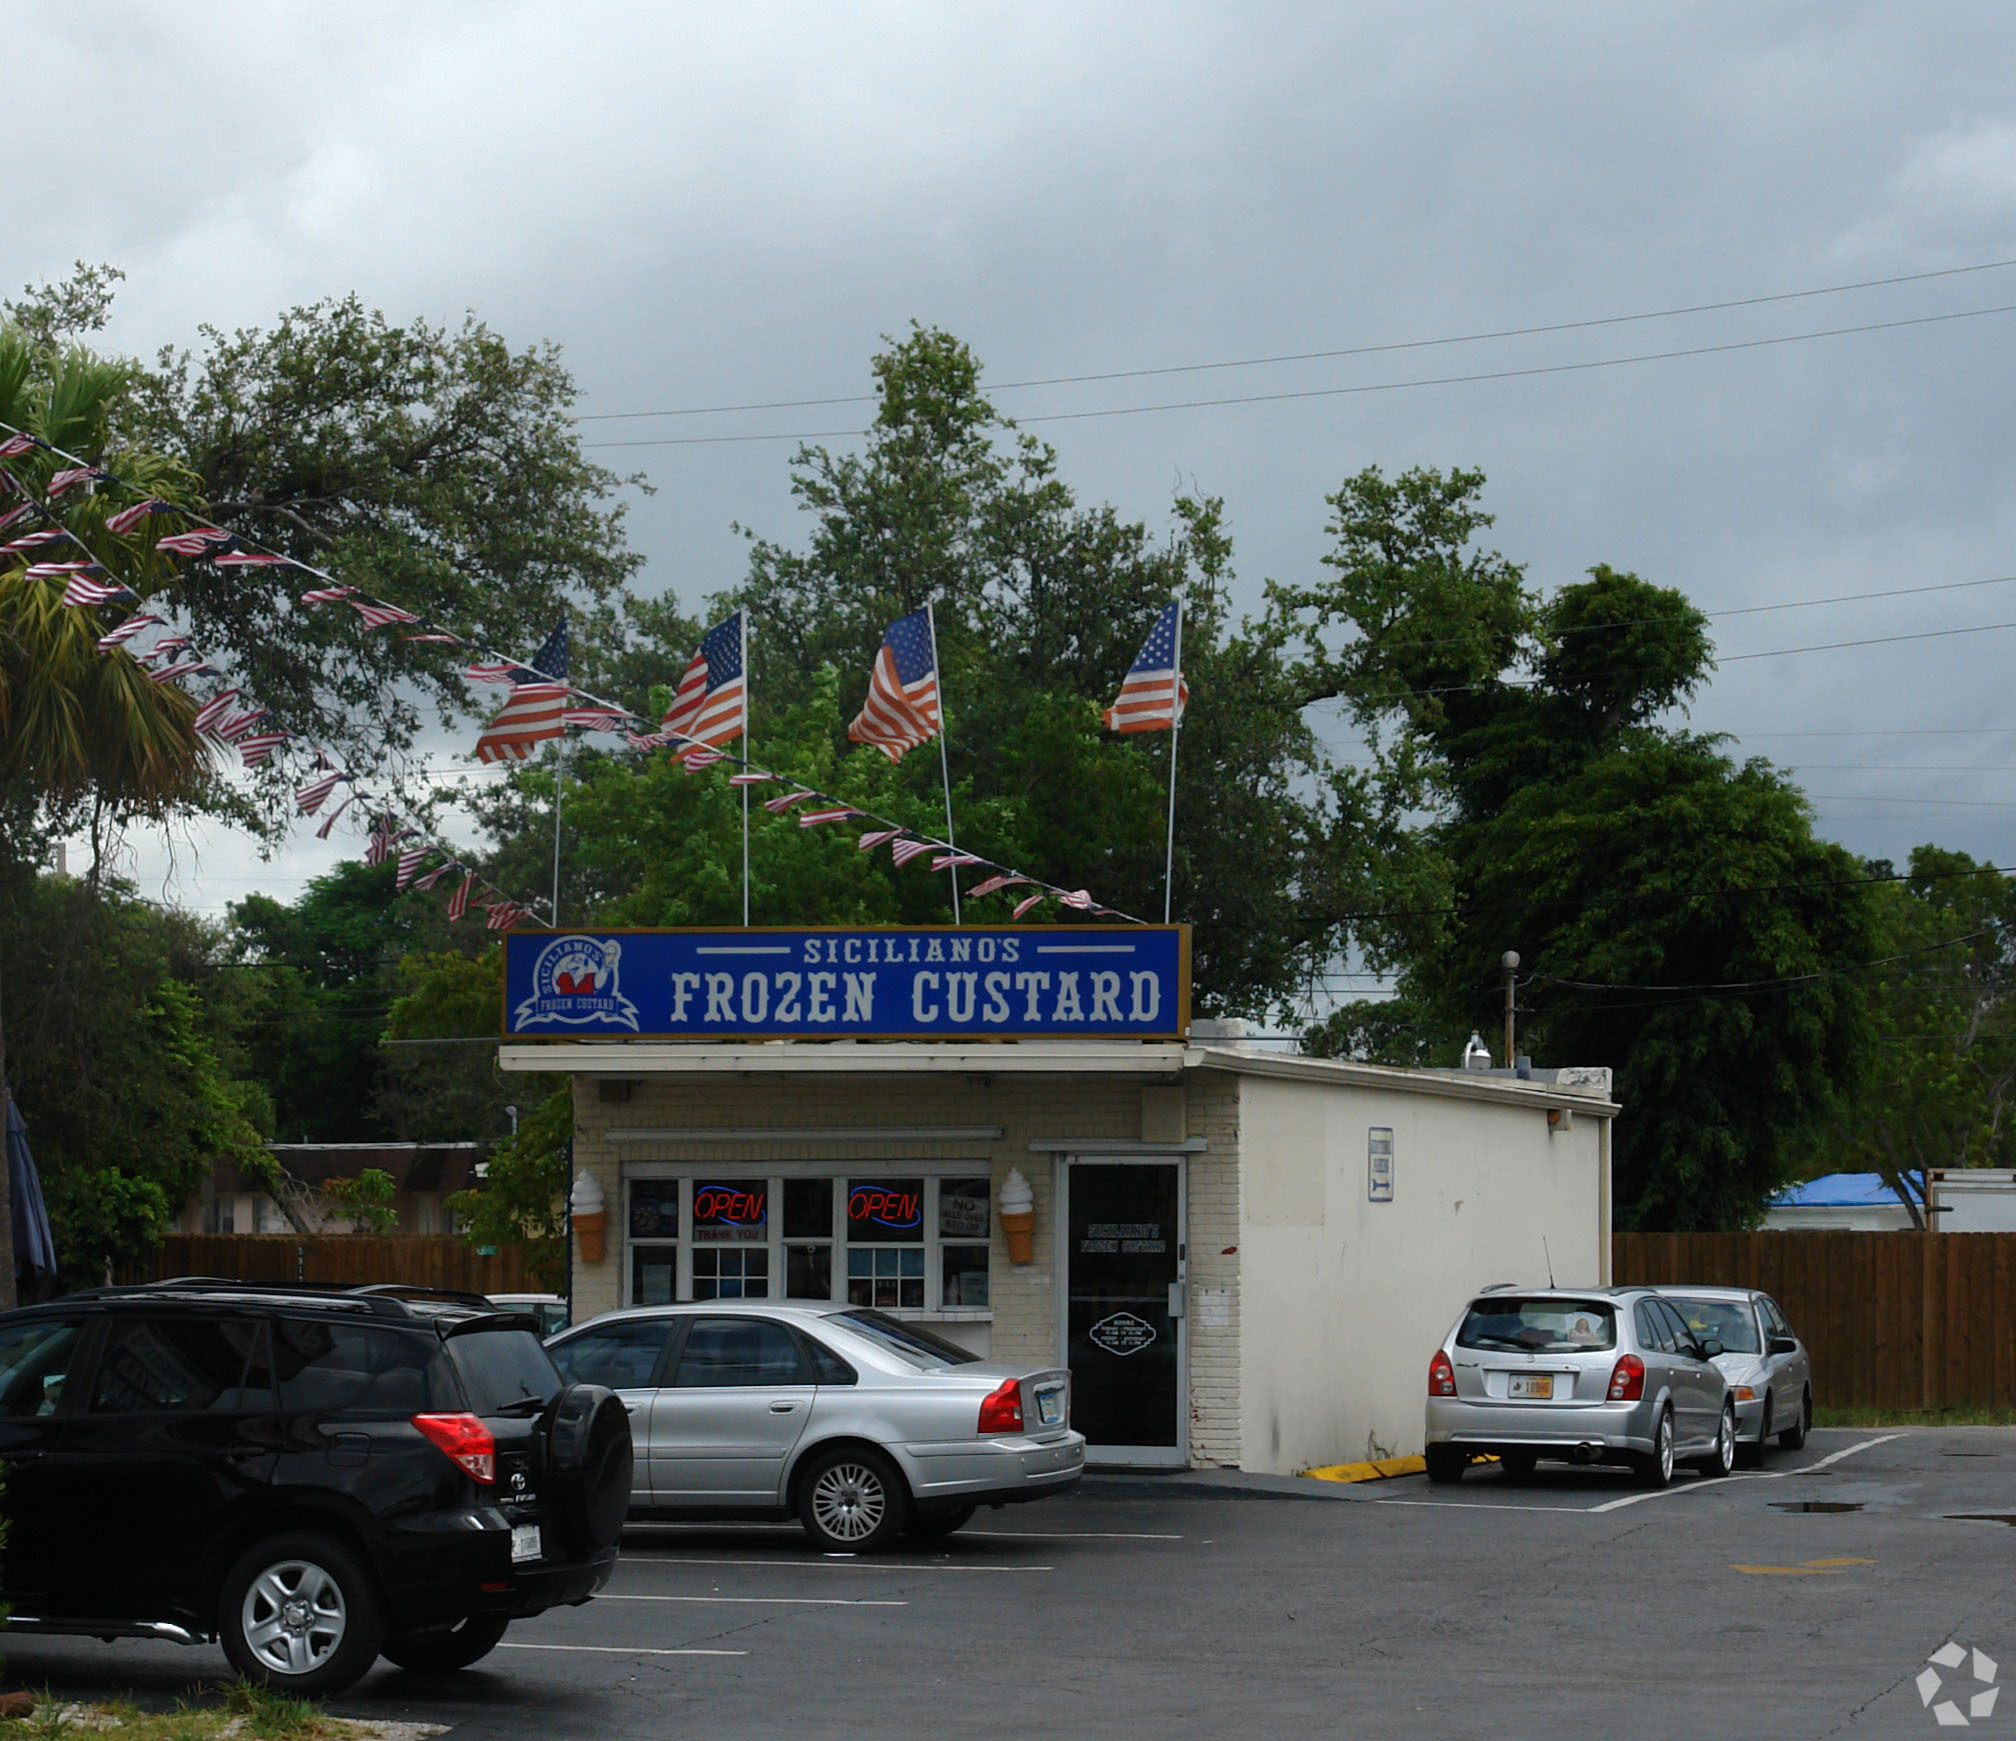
x=79 y=727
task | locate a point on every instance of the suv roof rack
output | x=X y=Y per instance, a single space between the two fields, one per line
x=415 y=1291
x=333 y=1295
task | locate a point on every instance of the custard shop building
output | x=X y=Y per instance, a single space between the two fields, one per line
x=1019 y=1138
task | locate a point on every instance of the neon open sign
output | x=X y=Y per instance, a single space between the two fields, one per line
x=885 y=1207
x=728 y=1211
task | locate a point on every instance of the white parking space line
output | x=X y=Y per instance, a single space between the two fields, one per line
x=1071 y=1535
x=1721 y=1486
x=621 y=1650
x=768 y=1601
x=832 y=1565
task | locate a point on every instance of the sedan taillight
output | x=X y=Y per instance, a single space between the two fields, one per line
x=467 y=1442
x=1001 y=1409
x=1441 y=1375
x=1627 y=1379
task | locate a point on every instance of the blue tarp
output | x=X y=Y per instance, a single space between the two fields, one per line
x=1845 y=1191
x=34 y=1248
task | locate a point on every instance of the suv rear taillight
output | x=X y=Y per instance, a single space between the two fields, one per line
x=1441 y=1375
x=1627 y=1379
x=467 y=1442
x=1001 y=1409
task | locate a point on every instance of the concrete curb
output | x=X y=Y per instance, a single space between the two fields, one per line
x=1380 y=1469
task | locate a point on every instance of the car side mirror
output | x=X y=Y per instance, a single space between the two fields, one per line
x=1710 y=1349
x=1781 y=1345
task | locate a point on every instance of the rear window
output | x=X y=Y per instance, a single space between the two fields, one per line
x=1729 y=1322
x=503 y=1368
x=333 y=1366
x=1538 y=1326
x=910 y=1343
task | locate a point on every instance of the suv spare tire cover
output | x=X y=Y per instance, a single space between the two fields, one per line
x=588 y=1462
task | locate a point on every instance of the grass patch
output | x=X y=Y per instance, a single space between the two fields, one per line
x=1961 y=1417
x=245 y=1713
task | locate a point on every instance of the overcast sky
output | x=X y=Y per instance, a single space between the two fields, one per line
x=723 y=205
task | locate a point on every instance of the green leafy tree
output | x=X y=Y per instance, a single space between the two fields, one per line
x=1677 y=918
x=523 y=1197
x=365 y=1201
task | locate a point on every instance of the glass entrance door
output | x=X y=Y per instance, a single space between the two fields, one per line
x=1123 y=1323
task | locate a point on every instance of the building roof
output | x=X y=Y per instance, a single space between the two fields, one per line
x=1164 y=1060
x=1843 y=1191
x=413 y=1166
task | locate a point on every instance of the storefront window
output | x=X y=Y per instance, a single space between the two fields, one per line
x=902 y=1241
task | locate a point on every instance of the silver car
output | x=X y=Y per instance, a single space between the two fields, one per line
x=866 y=1427
x=1765 y=1362
x=1588 y=1375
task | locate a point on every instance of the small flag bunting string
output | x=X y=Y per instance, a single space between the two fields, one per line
x=903 y=851
x=784 y=800
x=1023 y=906
x=329 y=821
x=878 y=837
x=814 y=818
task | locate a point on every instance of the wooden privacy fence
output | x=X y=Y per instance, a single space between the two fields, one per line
x=341 y=1260
x=1892 y=1320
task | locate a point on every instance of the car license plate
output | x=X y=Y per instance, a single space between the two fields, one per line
x=1537 y=1386
x=1050 y=1407
x=524 y=1542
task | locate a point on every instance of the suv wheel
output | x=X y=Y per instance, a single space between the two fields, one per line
x=589 y=1466
x=852 y=1501
x=437 y=1648
x=298 y=1614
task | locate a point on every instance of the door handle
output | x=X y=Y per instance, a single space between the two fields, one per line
x=783 y=1408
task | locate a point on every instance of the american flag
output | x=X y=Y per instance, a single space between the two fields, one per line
x=381 y=841
x=711 y=704
x=538 y=705
x=503 y=915
x=70 y=477
x=1023 y=906
x=532 y=715
x=784 y=800
x=878 y=837
x=128 y=519
x=1004 y=881
x=1079 y=900
x=496 y=673
x=199 y=542
x=587 y=718
x=750 y=779
x=311 y=797
x=18 y=442
x=437 y=873
x=953 y=860
x=409 y=863
x=83 y=590
x=326 y=595
x=813 y=818
x=905 y=850
x=14 y=516
x=329 y=821
x=54 y=570
x=695 y=759
x=213 y=710
x=252 y=559
x=458 y=902
x=377 y=615
x=901 y=711
x=1154 y=695
x=175 y=673
x=441 y=640
x=127 y=630
x=254 y=750
x=240 y=724
x=33 y=540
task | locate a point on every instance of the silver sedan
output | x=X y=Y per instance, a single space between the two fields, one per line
x=864 y=1426
x=1763 y=1359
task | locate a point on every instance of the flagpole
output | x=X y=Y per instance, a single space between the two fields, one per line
x=559 y=777
x=746 y=751
x=1175 y=731
x=944 y=764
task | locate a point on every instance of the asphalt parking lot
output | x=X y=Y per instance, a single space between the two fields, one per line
x=1799 y=1601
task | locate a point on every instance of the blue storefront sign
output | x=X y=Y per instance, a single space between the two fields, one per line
x=1096 y=981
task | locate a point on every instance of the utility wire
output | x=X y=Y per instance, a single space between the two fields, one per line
x=1527 y=373
x=1511 y=332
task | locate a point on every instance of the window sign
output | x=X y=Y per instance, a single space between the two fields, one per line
x=886 y=1212
x=1379 y=1167
x=654 y=1209
x=731 y=1211
x=962 y=1209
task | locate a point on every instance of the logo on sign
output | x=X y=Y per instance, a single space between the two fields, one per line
x=884 y=1207
x=1122 y=1334
x=574 y=985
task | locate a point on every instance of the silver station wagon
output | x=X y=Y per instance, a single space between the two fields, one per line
x=866 y=1427
x=1597 y=1375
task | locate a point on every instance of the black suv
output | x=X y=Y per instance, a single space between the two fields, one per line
x=312 y=1478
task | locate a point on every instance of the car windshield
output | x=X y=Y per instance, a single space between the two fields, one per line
x=1729 y=1322
x=910 y=1344
x=1538 y=1326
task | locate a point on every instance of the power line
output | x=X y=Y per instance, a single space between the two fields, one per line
x=1326 y=355
x=1528 y=373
